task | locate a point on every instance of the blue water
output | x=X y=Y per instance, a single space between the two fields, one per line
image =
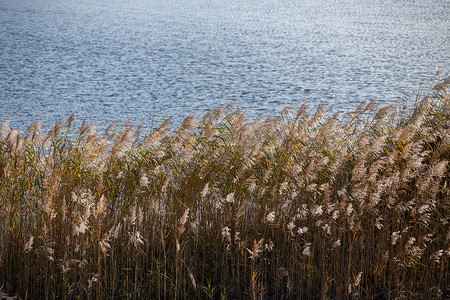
x=146 y=59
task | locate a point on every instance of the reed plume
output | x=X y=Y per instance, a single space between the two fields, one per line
x=345 y=206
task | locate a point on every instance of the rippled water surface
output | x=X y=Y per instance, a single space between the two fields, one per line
x=145 y=59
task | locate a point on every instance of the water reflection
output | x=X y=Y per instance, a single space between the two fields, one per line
x=142 y=59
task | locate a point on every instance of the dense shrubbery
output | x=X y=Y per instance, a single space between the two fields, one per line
x=294 y=207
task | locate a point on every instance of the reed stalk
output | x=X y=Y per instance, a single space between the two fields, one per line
x=300 y=206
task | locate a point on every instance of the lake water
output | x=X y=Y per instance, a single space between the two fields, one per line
x=146 y=59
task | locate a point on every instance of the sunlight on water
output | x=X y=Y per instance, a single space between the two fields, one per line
x=144 y=60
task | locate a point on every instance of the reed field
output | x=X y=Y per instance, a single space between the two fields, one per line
x=305 y=205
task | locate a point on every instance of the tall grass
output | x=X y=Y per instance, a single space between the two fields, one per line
x=294 y=207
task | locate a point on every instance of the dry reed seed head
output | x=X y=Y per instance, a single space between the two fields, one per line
x=371 y=106
x=294 y=195
x=307 y=249
x=251 y=184
x=285 y=206
x=415 y=254
x=85 y=197
x=229 y=198
x=183 y=221
x=132 y=217
x=436 y=256
x=218 y=203
x=283 y=187
x=191 y=277
x=101 y=205
x=318 y=223
x=55 y=130
x=269 y=246
x=159 y=154
x=357 y=279
x=237 y=237
x=153 y=140
x=438 y=169
x=111 y=126
x=287 y=111
x=360 y=109
x=177 y=245
x=104 y=242
x=165 y=185
x=327 y=229
x=303 y=112
x=302 y=230
x=378 y=223
x=35 y=128
x=213 y=116
x=29 y=244
x=270 y=217
x=316 y=210
x=140 y=215
x=349 y=209
x=138 y=132
x=230 y=107
x=291 y=226
x=337 y=243
x=80 y=228
x=4 y=130
x=335 y=214
x=257 y=249
x=93 y=280
x=154 y=207
x=116 y=230
x=363 y=141
x=342 y=193
x=303 y=212
x=205 y=190
x=136 y=238
x=20 y=146
x=312 y=188
x=70 y=120
x=440 y=73
x=49 y=251
x=143 y=182
x=296 y=169
x=12 y=139
x=91 y=130
x=65 y=266
x=384 y=112
x=318 y=116
x=395 y=237
x=189 y=123
x=410 y=242
x=49 y=208
x=226 y=234
x=427 y=238
x=378 y=145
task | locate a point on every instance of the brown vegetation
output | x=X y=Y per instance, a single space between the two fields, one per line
x=294 y=207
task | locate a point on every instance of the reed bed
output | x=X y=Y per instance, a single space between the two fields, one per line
x=300 y=206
